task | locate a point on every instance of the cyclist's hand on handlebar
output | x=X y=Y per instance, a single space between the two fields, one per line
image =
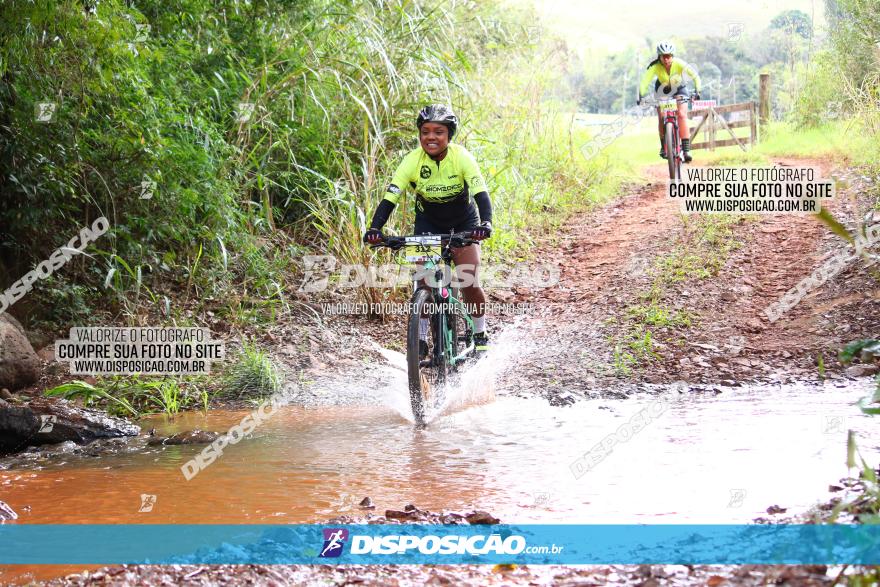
x=482 y=232
x=373 y=236
x=639 y=101
x=696 y=95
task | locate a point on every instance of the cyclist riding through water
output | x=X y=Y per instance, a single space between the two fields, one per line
x=447 y=181
x=670 y=73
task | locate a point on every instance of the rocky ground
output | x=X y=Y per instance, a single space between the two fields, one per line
x=407 y=575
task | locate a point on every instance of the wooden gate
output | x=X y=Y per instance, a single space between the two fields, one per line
x=712 y=121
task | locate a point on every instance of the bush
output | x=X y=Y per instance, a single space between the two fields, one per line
x=253 y=376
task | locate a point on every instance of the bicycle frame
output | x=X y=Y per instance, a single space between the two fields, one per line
x=668 y=109
x=426 y=249
x=443 y=294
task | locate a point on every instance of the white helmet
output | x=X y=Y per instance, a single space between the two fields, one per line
x=665 y=48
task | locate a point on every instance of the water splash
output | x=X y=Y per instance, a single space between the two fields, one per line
x=473 y=385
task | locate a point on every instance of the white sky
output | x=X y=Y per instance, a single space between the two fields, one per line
x=614 y=24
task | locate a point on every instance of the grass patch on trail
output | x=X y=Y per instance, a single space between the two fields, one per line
x=699 y=252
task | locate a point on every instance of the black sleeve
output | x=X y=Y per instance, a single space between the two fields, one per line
x=484 y=204
x=383 y=211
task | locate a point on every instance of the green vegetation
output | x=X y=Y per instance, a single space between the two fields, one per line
x=133 y=397
x=252 y=376
x=260 y=131
x=632 y=349
x=863 y=504
x=701 y=250
x=655 y=314
x=223 y=141
x=844 y=82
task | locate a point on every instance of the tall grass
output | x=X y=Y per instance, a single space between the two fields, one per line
x=331 y=88
x=253 y=375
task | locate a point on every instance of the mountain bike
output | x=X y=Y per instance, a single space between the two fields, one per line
x=451 y=327
x=671 y=139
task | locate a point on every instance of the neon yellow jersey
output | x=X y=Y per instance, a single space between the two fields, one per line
x=444 y=189
x=674 y=77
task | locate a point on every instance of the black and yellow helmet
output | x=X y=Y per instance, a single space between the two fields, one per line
x=439 y=113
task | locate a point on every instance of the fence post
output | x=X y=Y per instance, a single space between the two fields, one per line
x=764 y=101
x=711 y=121
x=753 y=116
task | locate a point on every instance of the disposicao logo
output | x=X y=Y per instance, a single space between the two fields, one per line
x=334 y=540
x=429 y=544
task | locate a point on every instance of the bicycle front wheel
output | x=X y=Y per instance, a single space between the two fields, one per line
x=672 y=150
x=426 y=373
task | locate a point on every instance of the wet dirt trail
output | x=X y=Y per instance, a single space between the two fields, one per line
x=610 y=261
x=741 y=429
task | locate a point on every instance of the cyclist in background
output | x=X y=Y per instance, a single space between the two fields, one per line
x=447 y=182
x=670 y=73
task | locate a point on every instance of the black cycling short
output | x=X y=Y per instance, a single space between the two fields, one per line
x=681 y=90
x=425 y=226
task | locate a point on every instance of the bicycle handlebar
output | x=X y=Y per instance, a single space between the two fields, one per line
x=653 y=101
x=453 y=240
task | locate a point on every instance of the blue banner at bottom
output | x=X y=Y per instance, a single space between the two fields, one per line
x=439 y=544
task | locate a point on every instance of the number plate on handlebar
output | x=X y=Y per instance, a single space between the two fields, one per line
x=427 y=239
x=426 y=248
x=667 y=105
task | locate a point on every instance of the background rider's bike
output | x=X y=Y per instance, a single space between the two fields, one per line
x=671 y=139
x=451 y=328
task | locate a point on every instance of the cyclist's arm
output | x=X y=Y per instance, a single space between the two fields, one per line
x=646 y=81
x=399 y=182
x=380 y=216
x=689 y=69
x=476 y=185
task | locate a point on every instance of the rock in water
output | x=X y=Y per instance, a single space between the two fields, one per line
x=399 y=515
x=192 y=437
x=479 y=517
x=44 y=421
x=19 y=364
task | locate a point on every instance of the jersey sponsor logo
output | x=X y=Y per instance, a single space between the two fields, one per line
x=425 y=173
x=443 y=188
x=453 y=176
x=394 y=189
x=476 y=180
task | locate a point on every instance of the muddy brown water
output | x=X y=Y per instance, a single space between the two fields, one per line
x=702 y=458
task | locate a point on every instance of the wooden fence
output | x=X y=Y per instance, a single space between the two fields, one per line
x=712 y=121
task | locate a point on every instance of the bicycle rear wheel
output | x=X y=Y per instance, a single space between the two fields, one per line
x=672 y=149
x=425 y=375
